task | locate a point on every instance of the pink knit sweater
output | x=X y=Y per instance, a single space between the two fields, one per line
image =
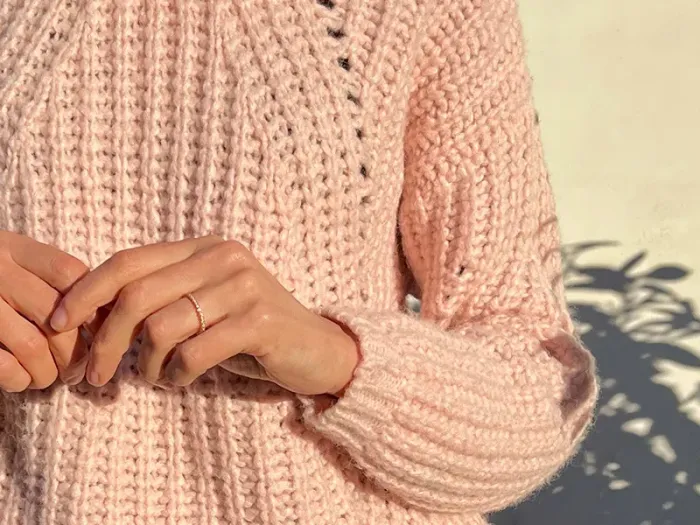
x=353 y=146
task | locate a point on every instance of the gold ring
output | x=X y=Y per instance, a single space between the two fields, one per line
x=200 y=314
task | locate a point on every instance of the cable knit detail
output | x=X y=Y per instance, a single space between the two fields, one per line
x=308 y=131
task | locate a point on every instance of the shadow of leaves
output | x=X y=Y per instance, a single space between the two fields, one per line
x=641 y=463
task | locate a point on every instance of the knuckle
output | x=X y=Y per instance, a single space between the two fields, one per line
x=189 y=358
x=133 y=296
x=34 y=346
x=214 y=238
x=260 y=316
x=124 y=261
x=67 y=268
x=232 y=253
x=156 y=330
x=248 y=283
x=235 y=246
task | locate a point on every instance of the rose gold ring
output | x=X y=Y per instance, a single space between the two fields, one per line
x=200 y=313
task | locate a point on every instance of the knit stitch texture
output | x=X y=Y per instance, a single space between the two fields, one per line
x=356 y=147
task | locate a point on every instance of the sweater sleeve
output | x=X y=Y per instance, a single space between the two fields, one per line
x=482 y=399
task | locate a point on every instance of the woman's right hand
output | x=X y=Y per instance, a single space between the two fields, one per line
x=33 y=278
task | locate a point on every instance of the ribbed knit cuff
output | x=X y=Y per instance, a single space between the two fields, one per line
x=457 y=421
x=361 y=414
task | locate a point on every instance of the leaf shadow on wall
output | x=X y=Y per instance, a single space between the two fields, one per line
x=640 y=465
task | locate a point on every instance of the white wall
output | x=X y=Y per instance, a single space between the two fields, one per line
x=617 y=85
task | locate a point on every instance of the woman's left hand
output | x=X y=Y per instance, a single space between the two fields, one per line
x=245 y=309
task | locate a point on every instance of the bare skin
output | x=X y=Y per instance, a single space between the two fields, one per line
x=33 y=278
x=247 y=312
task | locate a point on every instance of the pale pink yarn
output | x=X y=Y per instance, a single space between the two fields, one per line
x=307 y=130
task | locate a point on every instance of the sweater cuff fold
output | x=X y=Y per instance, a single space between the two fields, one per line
x=370 y=395
x=428 y=412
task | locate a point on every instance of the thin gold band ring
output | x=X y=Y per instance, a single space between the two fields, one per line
x=200 y=313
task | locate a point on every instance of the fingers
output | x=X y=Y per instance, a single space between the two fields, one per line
x=178 y=322
x=28 y=346
x=137 y=301
x=57 y=268
x=13 y=378
x=103 y=285
x=197 y=355
x=34 y=299
x=237 y=296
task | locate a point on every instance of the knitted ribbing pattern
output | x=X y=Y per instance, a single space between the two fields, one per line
x=310 y=131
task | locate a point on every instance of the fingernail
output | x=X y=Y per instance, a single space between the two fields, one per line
x=76 y=372
x=169 y=374
x=172 y=373
x=59 y=319
x=73 y=378
x=94 y=378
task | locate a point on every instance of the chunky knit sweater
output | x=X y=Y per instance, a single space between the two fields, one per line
x=357 y=147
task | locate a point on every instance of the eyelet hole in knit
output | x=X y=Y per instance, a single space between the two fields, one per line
x=344 y=63
x=336 y=33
